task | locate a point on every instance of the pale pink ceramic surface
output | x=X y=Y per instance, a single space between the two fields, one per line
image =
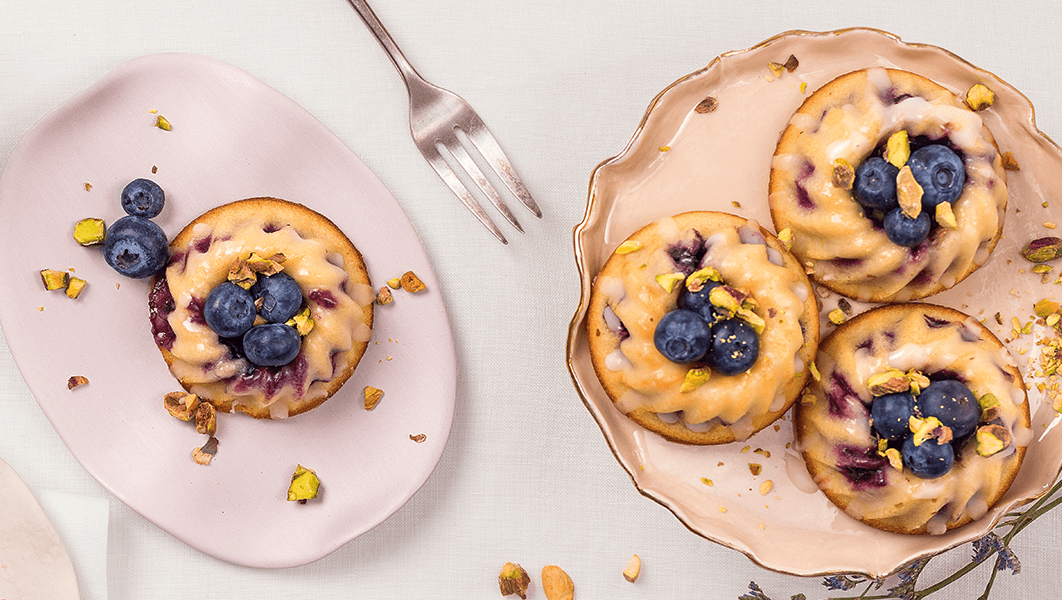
x=34 y=563
x=679 y=160
x=233 y=137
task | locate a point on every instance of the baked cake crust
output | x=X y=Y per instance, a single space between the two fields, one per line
x=321 y=259
x=848 y=118
x=626 y=302
x=834 y=431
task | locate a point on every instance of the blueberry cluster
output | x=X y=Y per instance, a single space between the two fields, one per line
x=949 y=401
x=135 y=245
x=937 y=169
x=231 y=311
x=699 y=332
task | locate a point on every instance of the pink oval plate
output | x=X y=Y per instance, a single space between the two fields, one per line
x=232 y=137
x=681 y=160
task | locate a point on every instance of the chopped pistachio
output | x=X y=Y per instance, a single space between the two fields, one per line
x=918 y=381
x=754 y=320
x=1041 y=269
x=384 y=296
x=837 y=317
x=628 y=246
x=181 y=405
x=205 y=453
x=992 y=439
x=766 y=487
x=669 y=280
x=695 y=282
x=55 y=280
x=1042 y=250
x=755 y=468
x=814 y=372
x=1011 y=164
x=909 y=193
x=791 y=63
x=898 y=149
x=894 y=458
x=727 y=297
x=206 y=418
x=979 y=97
x=395 y=283
x=776 y=68
x=1045 y=307
x=707 y=105
x=843 y=174
x=989 y=407
x=304 y=485
x=695 y=378
x=928 y=428
x=707 y=482
x=803 y=87
x=786 y=237
x=163 y=123
x=372 y=397
x=75 y=287
x=888 y=382
x=418 y=438
x=76 y=381
x=411 y=283
x=945 y=216
x=90 y=232
x=513 y=579
x=634 y=567
x=302 y=321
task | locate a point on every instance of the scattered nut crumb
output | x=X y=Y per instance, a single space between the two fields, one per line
x=372 y=397
x=1011 y=164
x=162 y=123
x=418 y=438
x=791 y=63
x=76 y=381
x=395 y=283
x=513 y=579
x=634 y=568
x=205 y=453
x=837 y=316
x=88 y=186
x=845 y=306
x=1049 y=225
x=665 y=148
x=755 y=468
x=736 y=203
x=154 y=169
x=707 y=105
x=803 y=87
x=304 y=485
x=707 y=482
x=766 y=487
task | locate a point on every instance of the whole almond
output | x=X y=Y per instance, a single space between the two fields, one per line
x=556 y=583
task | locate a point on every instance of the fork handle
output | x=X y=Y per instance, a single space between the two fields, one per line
x=376 y=27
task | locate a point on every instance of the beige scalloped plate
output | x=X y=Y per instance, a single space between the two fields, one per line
x=680 y=160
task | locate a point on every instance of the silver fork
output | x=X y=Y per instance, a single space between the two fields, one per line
x=435 y=116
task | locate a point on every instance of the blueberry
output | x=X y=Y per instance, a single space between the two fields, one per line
x=735 y=347
x=695 y=300
x=891 y=413
x=940 y=172
x=271 y=345
x=143 y=198
x=229 y=310
x=135 y=247
x=875 y=184
x=953 y=403
x=281 y=296
x=904 y=231
x=929 y=459
x=682 y=336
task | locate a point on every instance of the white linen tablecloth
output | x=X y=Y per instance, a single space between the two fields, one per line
x=527 y=476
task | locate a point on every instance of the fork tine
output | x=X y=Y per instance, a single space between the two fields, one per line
x=491 y=151
x=476 y=174
x=448 y=176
